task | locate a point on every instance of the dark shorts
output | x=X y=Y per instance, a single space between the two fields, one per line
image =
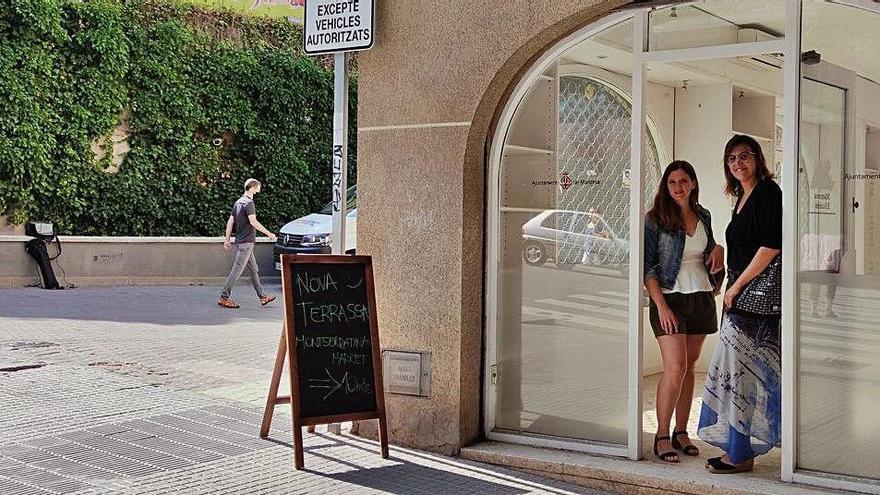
x=695 y=312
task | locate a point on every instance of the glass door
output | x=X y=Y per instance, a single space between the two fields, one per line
x=559 y=330
x=837 y=370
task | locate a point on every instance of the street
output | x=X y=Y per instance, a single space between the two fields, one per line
x=158 y=390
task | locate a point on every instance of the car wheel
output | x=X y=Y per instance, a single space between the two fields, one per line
x=534 y=254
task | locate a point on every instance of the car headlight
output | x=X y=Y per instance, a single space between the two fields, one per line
x=316 y=240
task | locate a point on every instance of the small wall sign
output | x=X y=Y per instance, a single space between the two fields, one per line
x=407 y=372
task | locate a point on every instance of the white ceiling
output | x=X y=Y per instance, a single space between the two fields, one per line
x=845 y=36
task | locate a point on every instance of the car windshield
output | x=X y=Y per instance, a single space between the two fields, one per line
x=351 y=202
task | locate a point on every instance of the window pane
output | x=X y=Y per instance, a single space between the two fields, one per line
x=838 y=225
x=562 y=322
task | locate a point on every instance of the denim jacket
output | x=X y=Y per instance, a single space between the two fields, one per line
x=664 y=250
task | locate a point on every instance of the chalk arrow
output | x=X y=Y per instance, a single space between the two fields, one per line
x=338 y=383
x=318 y=383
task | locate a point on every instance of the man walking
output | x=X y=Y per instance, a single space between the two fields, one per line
x=244 y=219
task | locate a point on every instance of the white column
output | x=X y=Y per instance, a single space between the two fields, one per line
x=790 y=143
x=636 y=232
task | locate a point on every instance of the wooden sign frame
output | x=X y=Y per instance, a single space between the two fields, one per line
x=286 y=349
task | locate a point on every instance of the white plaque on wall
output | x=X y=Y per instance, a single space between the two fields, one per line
x=407 y=372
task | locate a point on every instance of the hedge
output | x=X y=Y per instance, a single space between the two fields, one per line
x=211 y=97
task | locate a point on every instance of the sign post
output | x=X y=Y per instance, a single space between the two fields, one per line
x=340 y=151
x=338 y=27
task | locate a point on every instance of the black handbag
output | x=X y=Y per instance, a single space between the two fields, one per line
x=763 y=295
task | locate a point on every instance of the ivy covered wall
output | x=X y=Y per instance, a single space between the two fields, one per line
x=138 y=117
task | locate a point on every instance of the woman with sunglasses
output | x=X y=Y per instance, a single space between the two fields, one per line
x=742 y=399
x=680 y=258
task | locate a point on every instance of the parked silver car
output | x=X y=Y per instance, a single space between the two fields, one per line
x=571 y=238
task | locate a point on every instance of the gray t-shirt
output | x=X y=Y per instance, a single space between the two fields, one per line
x=244 y=231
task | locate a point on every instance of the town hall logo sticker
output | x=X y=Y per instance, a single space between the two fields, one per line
x=565 y=181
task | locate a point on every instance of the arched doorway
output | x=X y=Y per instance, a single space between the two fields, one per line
x=569 y=363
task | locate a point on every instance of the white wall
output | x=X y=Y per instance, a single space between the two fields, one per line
x=702 y=127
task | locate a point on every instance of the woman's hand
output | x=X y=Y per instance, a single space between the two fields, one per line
x=730 y=295
x=668 y=321
x=716 y=259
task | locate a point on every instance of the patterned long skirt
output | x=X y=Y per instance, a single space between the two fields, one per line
x=742 y=400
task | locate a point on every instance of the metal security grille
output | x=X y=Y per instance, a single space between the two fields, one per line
x=594 y=153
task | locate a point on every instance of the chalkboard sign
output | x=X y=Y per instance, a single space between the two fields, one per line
x=334 y=344
x=331 y=338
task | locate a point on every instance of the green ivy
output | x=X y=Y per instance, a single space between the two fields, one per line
x=214 y=97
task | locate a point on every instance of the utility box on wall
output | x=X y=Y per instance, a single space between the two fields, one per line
x=407 y=372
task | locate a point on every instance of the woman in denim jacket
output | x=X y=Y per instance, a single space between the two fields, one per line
x=681 y=257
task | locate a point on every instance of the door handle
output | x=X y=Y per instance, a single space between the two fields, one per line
x=855 y=204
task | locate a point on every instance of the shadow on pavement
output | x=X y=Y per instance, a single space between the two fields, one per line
x=159 y=305
x=411 y=477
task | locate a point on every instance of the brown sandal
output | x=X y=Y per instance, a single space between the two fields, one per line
x=266 y=300
x=691 y=450
x=227 y=303
x=668 y=456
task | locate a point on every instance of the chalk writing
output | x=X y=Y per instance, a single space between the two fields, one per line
x=306 y=284
x=332 y=342
x=349 y=384
x=344 y=358
x=332 y=313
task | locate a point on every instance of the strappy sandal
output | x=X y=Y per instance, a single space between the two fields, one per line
x=691 y=450
x=266 y=300
x=668 y=456
x=717 y=466
x=227 y=303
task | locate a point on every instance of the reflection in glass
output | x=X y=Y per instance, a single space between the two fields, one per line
x=838 y=217
x=562 y=327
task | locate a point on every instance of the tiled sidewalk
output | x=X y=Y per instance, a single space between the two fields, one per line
x=157 y=390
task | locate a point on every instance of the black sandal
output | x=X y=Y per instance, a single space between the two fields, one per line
x=669 y=456
x=717 y=466
x=691 y=450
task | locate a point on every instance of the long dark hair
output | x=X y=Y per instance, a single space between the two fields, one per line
x=665 y=211
x=733 y=187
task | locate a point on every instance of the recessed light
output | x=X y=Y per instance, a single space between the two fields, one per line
x=601 y=57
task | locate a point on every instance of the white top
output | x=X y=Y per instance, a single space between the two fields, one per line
x=692 y=274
